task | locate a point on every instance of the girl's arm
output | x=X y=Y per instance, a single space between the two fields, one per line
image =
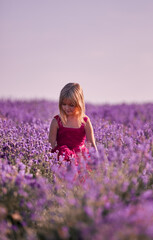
x=53 y=132
x=90 y=134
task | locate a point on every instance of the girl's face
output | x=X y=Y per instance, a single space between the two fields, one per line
x=68 y=107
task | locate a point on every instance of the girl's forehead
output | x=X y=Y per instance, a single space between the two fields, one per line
x=68 y=101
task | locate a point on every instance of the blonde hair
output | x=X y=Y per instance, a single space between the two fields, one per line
x=74 y=93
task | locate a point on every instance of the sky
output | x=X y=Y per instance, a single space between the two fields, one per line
x=106 y=46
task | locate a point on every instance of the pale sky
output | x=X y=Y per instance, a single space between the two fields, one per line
x=106 y=46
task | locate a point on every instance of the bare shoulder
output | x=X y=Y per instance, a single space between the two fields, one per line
x=87 y=117
x=54 y=123
x=87 y=122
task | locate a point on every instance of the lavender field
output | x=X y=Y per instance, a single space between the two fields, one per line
x=42 y=198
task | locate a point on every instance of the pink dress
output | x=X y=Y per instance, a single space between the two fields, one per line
x=70 y=141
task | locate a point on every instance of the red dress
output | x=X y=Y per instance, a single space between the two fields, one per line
x=70 y=141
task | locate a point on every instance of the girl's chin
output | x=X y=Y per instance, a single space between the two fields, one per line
x=70 y=113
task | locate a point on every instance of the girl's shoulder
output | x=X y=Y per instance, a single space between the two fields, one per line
x=58 y=120
x=85 y=119
x=56 y=117
x=87 y=122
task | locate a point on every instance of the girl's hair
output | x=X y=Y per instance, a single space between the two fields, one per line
x=74 y=93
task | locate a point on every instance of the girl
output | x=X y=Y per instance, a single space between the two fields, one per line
x=70 y=129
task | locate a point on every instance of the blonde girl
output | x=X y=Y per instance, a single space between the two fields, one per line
x=71 y=131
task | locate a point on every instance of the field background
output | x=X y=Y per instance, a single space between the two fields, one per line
x=111 y=197
x=105 y=46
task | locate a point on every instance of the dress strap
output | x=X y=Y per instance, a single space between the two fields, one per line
x=57 y=117
x=85 y=119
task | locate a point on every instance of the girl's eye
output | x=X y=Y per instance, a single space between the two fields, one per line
x=71 y=105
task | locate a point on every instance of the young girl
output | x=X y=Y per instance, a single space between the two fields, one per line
x=70 y=129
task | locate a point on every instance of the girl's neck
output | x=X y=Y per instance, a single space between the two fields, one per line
x=72 y=117
x=73 y=121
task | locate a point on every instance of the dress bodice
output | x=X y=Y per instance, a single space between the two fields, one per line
x=73 y=138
